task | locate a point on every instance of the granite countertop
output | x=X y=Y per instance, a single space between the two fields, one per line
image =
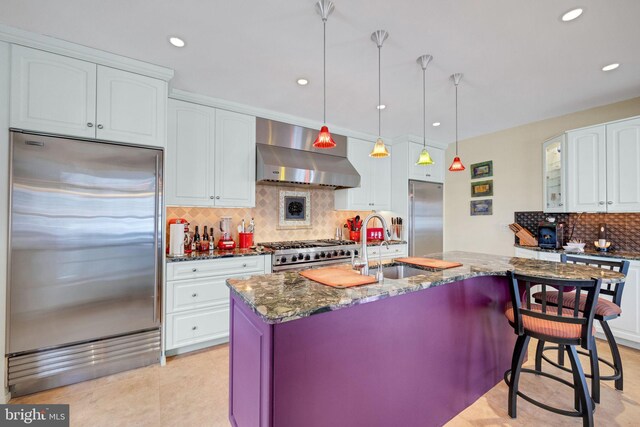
x=219 y=253
x=286 y=296
x=630 y=255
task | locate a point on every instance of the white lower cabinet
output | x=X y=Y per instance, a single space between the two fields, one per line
x=627 y=326
x=197 y=299
x=388 y=252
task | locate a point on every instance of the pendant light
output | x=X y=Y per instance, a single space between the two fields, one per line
x=457 y=165
x=379 y=150
x=324 y=140
x=425 y=158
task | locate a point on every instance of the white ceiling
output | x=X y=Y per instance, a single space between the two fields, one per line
x=520 y=62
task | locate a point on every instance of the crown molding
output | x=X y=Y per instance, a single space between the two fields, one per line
x=73 y=50
x=418 y=139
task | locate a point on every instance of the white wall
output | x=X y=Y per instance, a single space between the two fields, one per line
x=517 y=163
x=4 y=199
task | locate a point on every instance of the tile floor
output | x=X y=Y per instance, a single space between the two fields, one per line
x=191 y=390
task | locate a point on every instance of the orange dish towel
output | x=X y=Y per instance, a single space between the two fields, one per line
x=429 y=262
x=338 y=277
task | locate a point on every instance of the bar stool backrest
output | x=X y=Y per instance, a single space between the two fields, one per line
x=615 y=290
x=555 y=313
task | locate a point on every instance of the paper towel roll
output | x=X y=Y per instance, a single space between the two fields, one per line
x=176 y=244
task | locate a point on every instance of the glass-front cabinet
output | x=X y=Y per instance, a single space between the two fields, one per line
x=554 y=175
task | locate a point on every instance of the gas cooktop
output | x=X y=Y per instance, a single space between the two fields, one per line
x=310 y=253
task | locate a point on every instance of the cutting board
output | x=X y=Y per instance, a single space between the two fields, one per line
x=337 y=277
x=429 y=262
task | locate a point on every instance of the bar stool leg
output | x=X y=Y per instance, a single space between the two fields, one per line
x=516 y=367
x=595 y=371
x=615 y=353
x=539 y=351
x=580 y=385
x=561 y=355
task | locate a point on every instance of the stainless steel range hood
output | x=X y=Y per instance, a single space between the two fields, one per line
x=285 y=155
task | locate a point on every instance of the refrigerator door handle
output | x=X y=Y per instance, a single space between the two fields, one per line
x=156 y=290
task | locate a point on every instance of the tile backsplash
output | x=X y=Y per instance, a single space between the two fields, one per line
x=324 y=218
x=623 y=229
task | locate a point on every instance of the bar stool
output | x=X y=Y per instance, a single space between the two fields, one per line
x=605 y=310
x=566 y=327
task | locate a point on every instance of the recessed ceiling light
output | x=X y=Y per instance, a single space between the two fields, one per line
x=436 y=124
x=610 y=67
x=381 y=107
x=572 y=14
x=176 y=41
x=303 y=82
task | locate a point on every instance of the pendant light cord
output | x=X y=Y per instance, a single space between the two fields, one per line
x=456 y=119
x=324 y=70
x=379 y=91
x=424 y=107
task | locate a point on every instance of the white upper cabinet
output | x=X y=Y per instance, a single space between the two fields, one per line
x=56 y=94
x=623 y=166
x=189 y=159
x=586 y=170
x=235 y=159
x=130 y=107
x=210 y=157
x=430 y=173
x=554 y=175
x=374 y=192
x=52 y=93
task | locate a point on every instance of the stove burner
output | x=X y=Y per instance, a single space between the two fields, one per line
x=310 y=253
x=305 y=244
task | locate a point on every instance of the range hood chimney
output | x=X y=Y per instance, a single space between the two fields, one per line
x=286 y=155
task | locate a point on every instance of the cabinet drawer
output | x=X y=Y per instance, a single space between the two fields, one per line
x=197 y=326
x=196 y=293
x=393 y=251
x=215 y=267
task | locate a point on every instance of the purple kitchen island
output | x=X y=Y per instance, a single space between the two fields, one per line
x=407 y=352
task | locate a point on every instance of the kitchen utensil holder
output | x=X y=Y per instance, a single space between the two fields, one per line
x=246 y=240
x=354 y=235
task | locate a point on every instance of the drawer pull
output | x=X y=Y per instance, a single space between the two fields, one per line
x=244 y=265
x=194 y=295
x=194 y=270
x=193 y=328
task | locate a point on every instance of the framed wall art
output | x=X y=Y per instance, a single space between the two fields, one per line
x=481 y=207
x=482 y=188
x=294 y=209
x=482 y=169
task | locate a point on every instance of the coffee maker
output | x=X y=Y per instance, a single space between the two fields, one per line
x=550 y=235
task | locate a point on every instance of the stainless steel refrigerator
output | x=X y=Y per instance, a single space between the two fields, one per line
x=85 y=260
x=425 y=218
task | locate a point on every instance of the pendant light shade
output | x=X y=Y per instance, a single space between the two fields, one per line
x=379 y=150
x=425 y=158
x=457 y=165
x=324 y=140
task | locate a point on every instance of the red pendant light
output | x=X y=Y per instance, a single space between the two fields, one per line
x=457 y=165
x=324 y=140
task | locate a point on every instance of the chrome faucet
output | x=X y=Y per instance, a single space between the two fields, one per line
x=362 y=262
x=379 y=274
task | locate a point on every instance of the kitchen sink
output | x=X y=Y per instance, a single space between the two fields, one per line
x=400 y=271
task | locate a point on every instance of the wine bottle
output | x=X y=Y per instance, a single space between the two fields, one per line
x=211 y=240
x=196 y=239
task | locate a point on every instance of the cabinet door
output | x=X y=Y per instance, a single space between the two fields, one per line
x=235 y=160
x=628 y=325
x=623 y=170
x=358 y=198
x=380 y=188
x=430 y=173
x=131 y=108
x=52 y=93
x=586 y=170
x=553 y=175
x=188 y=175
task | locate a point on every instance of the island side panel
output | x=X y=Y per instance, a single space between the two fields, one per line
x=250 y=367
x=411 y=360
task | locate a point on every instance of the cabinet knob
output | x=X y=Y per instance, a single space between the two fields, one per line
x=609 y=202
x=244 y=265
x=194 y=269
x=89 y=125
x=218 y=197
x=428 y=174
x=194 y=295
x=211 y=197
x=193 y=328
x=601 y=203
x=100 y=126
x=560 y=204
